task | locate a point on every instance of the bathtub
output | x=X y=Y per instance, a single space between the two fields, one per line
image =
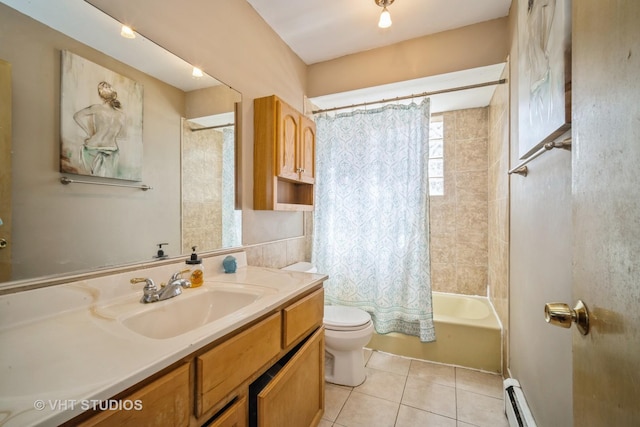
x=468 y=334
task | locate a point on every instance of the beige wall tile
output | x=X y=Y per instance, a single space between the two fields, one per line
x=443 y=277
x=471 y=216
x=442 y=218
x=472 y=253
x=471 y=124
x=471 y=280
x=442 y=248
x=471 y=155
x=472 y=185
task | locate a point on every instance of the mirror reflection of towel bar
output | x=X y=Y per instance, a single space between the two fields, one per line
x=65 y=180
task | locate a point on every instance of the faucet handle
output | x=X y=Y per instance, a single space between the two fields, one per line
x=178 y=274
x=150 y=289
x=149 y=283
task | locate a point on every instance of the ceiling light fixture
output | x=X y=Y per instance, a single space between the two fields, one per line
x=127 y=32
x=197 y=72
x=385 y=16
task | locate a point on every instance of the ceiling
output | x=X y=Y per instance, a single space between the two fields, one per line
x=321 y=30
x=87 y=24
x=316 y=30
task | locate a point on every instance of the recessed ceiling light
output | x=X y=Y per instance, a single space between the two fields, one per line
x=127 y=32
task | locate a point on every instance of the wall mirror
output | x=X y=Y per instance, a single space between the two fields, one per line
x=189 y=140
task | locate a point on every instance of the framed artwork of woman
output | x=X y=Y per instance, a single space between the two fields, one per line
x=544 y=72
x=101 y=121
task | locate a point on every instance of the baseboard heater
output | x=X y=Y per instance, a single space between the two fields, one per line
x=515 y=405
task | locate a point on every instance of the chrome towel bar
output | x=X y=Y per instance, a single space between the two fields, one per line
x=65 y=180
x=522 y=169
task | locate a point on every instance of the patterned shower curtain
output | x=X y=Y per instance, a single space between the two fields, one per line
x=371 y=221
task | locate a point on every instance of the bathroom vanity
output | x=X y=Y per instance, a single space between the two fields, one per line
x=260 y=359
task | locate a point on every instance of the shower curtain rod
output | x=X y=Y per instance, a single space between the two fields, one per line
x=420 y=95
x=212 y=127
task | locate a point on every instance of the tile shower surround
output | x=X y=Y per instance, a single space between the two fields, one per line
x=459 y=218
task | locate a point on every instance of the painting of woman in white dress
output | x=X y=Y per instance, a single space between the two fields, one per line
x=101 y=126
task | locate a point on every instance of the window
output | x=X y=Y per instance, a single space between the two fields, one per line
x=436 y=156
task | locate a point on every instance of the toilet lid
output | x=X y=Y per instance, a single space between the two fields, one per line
x=341 y=318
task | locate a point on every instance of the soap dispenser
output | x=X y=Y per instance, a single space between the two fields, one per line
x=196 y=271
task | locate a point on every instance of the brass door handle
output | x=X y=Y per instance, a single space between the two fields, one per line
x=560 y=314
x=3 y=243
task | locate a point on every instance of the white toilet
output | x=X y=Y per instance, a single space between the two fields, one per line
x=347 y=331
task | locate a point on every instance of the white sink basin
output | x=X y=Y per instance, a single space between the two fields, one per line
x=184 y=313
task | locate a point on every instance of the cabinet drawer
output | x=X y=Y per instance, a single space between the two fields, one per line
x=165 y=401
x=299 y=385
x=225 y=367
x=302 y=316
x=234 y=416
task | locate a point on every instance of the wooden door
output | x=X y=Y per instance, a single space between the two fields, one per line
x=288 y=124
x=307 y=150
x=5 y=171
x=606 y=211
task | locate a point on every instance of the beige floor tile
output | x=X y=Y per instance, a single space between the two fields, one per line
x=479 y=382
x=334 y=399
x=382 y=384
x=480 y=410
x=439 y=374
x=412 y=417
x=462 y=424
x=429 y=396
x=325 y=423
x=367 y=354
x=389 y=362
x=366 y=411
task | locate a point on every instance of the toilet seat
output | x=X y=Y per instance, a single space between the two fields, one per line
x=339 y=318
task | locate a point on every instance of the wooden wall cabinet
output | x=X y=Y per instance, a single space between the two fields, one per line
x=284 y=157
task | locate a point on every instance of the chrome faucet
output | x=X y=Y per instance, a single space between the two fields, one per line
x=170 y=290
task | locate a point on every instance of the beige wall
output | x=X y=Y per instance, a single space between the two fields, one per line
x=468 y=47
x=230 y=41
x=458 y=219
x=56 y=228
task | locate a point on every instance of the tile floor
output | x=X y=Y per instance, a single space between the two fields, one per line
x=404 y=392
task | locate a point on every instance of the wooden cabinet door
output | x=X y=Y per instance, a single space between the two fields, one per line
x=288 y=124
x=224 y=368
x=234 y=416
x=166 y=401
x=299 y=385
x=302 y=317
x=306 y=159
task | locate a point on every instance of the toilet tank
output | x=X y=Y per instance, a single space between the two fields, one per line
x=305 y=267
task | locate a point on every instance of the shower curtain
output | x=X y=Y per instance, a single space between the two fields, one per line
x=371 y=221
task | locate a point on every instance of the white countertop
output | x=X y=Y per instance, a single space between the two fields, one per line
x=62 y=347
